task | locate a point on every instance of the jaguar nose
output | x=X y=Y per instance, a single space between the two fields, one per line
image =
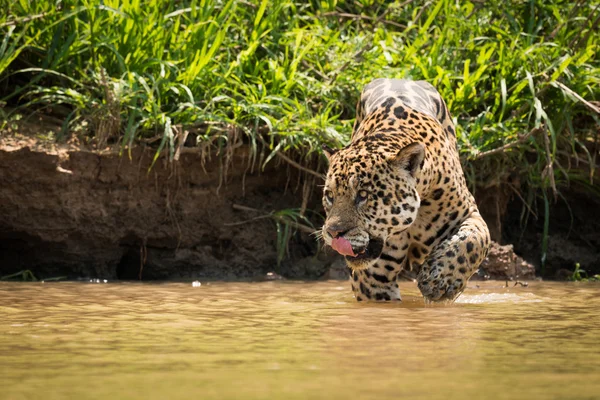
x=336 y=230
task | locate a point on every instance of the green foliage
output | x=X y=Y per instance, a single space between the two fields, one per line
x=580 y=275
x=25 y=275
x=287 y=222
x=133 y=68
x=28 y=276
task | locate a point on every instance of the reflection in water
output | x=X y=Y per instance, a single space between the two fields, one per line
x=296 y=340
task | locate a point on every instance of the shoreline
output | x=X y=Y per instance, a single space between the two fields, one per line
x=81 y=213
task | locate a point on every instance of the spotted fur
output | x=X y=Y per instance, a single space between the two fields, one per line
x=397 y=193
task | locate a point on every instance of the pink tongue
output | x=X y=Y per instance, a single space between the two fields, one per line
x=342 y=246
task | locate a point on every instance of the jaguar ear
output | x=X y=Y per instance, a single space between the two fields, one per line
x=410 y=158
x=328 y=151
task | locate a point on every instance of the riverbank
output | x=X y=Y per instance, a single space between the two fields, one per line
x=223 y=89
x=70 y=210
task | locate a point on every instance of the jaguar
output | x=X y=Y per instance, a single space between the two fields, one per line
x=396 y=198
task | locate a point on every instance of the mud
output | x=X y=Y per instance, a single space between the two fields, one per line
x=502 y=263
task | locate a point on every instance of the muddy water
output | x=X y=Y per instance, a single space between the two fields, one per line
x=278 y=340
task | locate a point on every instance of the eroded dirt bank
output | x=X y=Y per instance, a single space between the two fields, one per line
x=85 y=214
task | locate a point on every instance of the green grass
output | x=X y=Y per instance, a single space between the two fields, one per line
x=28 y=276
x=580 y=275
x=519 y=74
x=25 y=276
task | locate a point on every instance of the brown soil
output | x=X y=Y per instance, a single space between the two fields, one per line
x=67 y=211
x=502 y=263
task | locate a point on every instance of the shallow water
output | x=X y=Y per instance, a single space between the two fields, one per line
x=282 y=340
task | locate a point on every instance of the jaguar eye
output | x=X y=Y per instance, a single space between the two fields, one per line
x=362 y=196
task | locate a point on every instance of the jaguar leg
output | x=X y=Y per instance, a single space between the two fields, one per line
x=445 y=273
x=368 y=284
